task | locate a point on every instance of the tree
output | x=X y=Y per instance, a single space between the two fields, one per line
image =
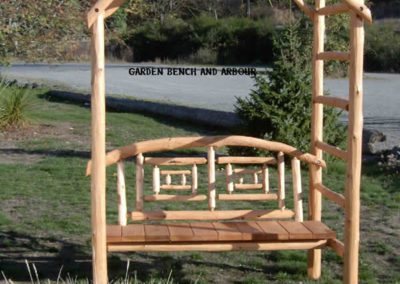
x=279 y=108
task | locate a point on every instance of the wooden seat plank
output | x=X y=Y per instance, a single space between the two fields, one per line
x=273 y=230
x=250 y=231
x=156 y=232
x=133 y=233
x=113 y=233
x=319 y=230
x=204 y=232
x=180 y=232
x=297 y=231
x=219 y=231
x=227 y=231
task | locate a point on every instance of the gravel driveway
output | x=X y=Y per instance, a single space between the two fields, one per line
x=381 y=91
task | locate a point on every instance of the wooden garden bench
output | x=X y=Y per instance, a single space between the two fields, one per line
x=235 y=229
x=213 y=229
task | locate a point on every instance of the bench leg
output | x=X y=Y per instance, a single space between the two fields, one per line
x=314 y=263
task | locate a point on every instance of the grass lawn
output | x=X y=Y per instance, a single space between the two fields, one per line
x=45 y=208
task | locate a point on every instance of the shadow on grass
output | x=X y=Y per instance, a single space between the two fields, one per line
x=51 y=255
x=47 y=152
x=164 y=119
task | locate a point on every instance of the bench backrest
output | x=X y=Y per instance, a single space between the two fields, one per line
x=162 y=178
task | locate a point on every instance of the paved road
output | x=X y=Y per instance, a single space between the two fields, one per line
x=381 y=91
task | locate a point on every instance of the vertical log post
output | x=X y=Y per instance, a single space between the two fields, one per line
x=183 y=179
x=156 y=180
x=168 y=179
x=315 y=203
x=255 y=178
x=98 y=177
x=211 y=178
x=281 y=180
x=139 y=182
x=297 y=190
x=194 y=179
x=122 y=210
x=354 y=144
x=265 y=178
x=229 y=178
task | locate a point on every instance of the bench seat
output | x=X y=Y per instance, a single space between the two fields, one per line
x=142 y=236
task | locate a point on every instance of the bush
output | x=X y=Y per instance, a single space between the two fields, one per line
x=233 y=40
x=382 y=48
x=280 y=108
x=171 y=39
x=15 y=107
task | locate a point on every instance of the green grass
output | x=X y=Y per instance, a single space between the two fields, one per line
x=45 y=210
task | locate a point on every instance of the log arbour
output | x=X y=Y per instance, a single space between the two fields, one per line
x=296 y=235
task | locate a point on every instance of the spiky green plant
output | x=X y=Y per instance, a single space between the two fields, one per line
x=16 y=105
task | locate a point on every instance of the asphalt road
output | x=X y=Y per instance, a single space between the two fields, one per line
x=381 y=91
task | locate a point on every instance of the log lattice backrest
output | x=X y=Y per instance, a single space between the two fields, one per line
x=234 y=188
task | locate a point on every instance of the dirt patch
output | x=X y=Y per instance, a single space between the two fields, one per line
x=11 y=153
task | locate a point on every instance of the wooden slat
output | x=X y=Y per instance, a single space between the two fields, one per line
x=246 y=160
x=265 y=178
x=331 y=195
x=250 y=231
x=337 y=246
x=208 y=215
x=122 y=209
x=297 y=190
x=273 y=230
x=204 y=232
x=333 y=9
x=194 y=180
x=180 y=232
x=247 y=171
x=229 y=178
x=335 y=151
x=248 y=186
x=227 y=231
x=220 y=246
x=281 y=180
x=170 y=197
x=175 y=161
x=211 y=178
x=248 y=197
x=296 y=230
x=114 y=233
x=333 y=102
x=319 y=230
x=334 y=55
x=175 y=187
x=156 y=180
x=175 y=172
x=133 y=233
x=139 y=182
x=156 y=232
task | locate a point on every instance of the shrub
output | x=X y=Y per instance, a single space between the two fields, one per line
x=382 y=48
x=279 y=108
x=171 y=39
x=15 y=107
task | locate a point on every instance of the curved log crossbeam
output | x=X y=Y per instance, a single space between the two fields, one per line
x=108 y=7
x=169 y=144
x=360 y=9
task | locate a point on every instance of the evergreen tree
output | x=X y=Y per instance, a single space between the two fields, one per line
x=279 y=107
